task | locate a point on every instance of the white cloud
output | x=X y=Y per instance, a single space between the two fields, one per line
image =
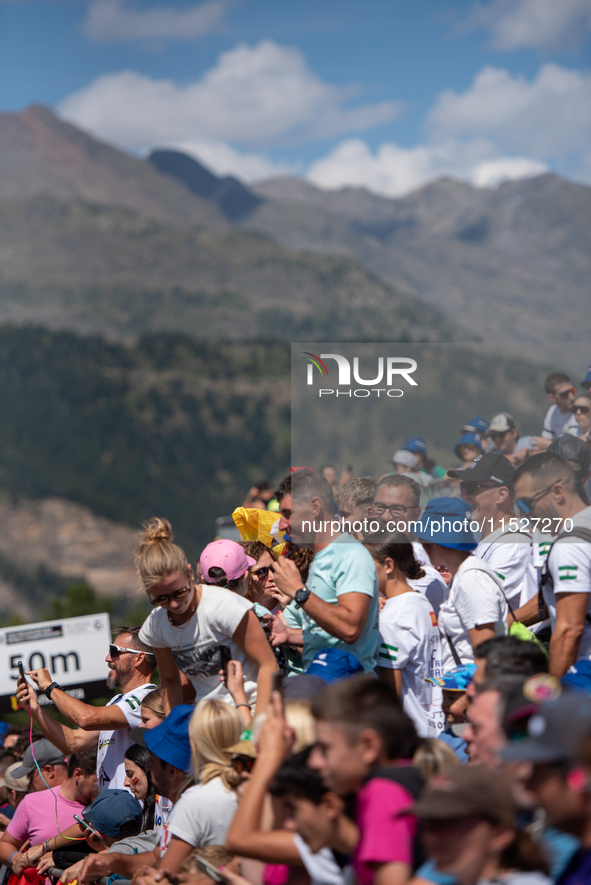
x=394 y=171
x=117 y=20
x=255 y=95
x=549 y=116
x=533 y=24
x=222 y=159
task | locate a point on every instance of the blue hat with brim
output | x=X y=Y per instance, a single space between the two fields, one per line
x=457 y=679
x=468 y=439
x=417 y=445
x=169 y=741
x=332 y=664
x=586 y=382
x=115 y=813
x=475 y=425
x=446 y=521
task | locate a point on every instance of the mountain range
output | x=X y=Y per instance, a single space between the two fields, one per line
x=94 y=239
x=156 y=376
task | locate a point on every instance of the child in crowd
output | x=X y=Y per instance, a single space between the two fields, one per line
x=410 y=646
x=365 y=744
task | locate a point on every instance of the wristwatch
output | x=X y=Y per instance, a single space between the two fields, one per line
x=50 y=688
x=301 y=596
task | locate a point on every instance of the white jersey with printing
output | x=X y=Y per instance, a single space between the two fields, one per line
x=557 y=424
x=569 y=563
x=110 y=760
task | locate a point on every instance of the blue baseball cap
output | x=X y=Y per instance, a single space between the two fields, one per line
x=446 y=521
x=457 y=679
x=169 y=741
x=416 y=444
x=578 y=677
x=475 y=425
x=115 y=813
x=468 y=439
x=332 y=664
x=586 y=382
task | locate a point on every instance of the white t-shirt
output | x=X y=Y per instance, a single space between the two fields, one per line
x=509 y=554
x=432 y=585
x=321 y=867
x=475 y=598
x=557 y=424
x=570 y=568
x=196 y=645
x=162 y=813
x=110 y=760
x=410 y=642
x=203 y=814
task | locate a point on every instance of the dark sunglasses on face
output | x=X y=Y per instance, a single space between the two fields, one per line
x=263 y=571
x=565 y=393
x=497 y=434
x=583 y=409
x=176 y=594
x=526 y=504
x=243 y=763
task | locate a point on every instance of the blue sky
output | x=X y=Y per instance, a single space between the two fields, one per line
x=387 y=94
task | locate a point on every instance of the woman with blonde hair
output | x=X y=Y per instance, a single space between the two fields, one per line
x=198 y=629
x=204 y=812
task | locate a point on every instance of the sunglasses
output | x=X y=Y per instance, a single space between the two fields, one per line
x=263 y=571
x=471 y=488
x=176 y=594
x=497 y=434
x=116 y=650
x=526 y=504
x=565 y=393
x=583 y=409
x=243 y=763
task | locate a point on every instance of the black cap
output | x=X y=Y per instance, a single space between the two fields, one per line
x=487 y=468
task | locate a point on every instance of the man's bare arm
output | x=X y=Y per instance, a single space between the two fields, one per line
x=571 y=609
x=83 y=715
x=68 y=740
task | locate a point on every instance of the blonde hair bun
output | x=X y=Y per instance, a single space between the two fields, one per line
x=156 y=531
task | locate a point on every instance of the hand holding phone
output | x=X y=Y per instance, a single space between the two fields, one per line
x=208 y=868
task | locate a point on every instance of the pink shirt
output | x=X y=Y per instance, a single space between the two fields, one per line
x=34 y=818
x=386 y=833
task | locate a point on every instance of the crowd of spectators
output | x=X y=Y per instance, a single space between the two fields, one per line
x=368 y=690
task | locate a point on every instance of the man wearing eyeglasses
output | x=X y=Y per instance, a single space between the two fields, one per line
x=131 y=663
x=546 y=489
x=486 y=484
x=396 y=506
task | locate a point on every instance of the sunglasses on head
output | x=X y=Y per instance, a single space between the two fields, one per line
x=116 y=650
x=176 y=594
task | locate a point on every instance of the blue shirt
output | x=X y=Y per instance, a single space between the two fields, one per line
x=343 y=566
x=455 y=743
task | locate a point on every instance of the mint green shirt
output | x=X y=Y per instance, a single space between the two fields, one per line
x=344 y=566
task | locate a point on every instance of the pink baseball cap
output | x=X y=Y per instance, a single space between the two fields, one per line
x=228 y=555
